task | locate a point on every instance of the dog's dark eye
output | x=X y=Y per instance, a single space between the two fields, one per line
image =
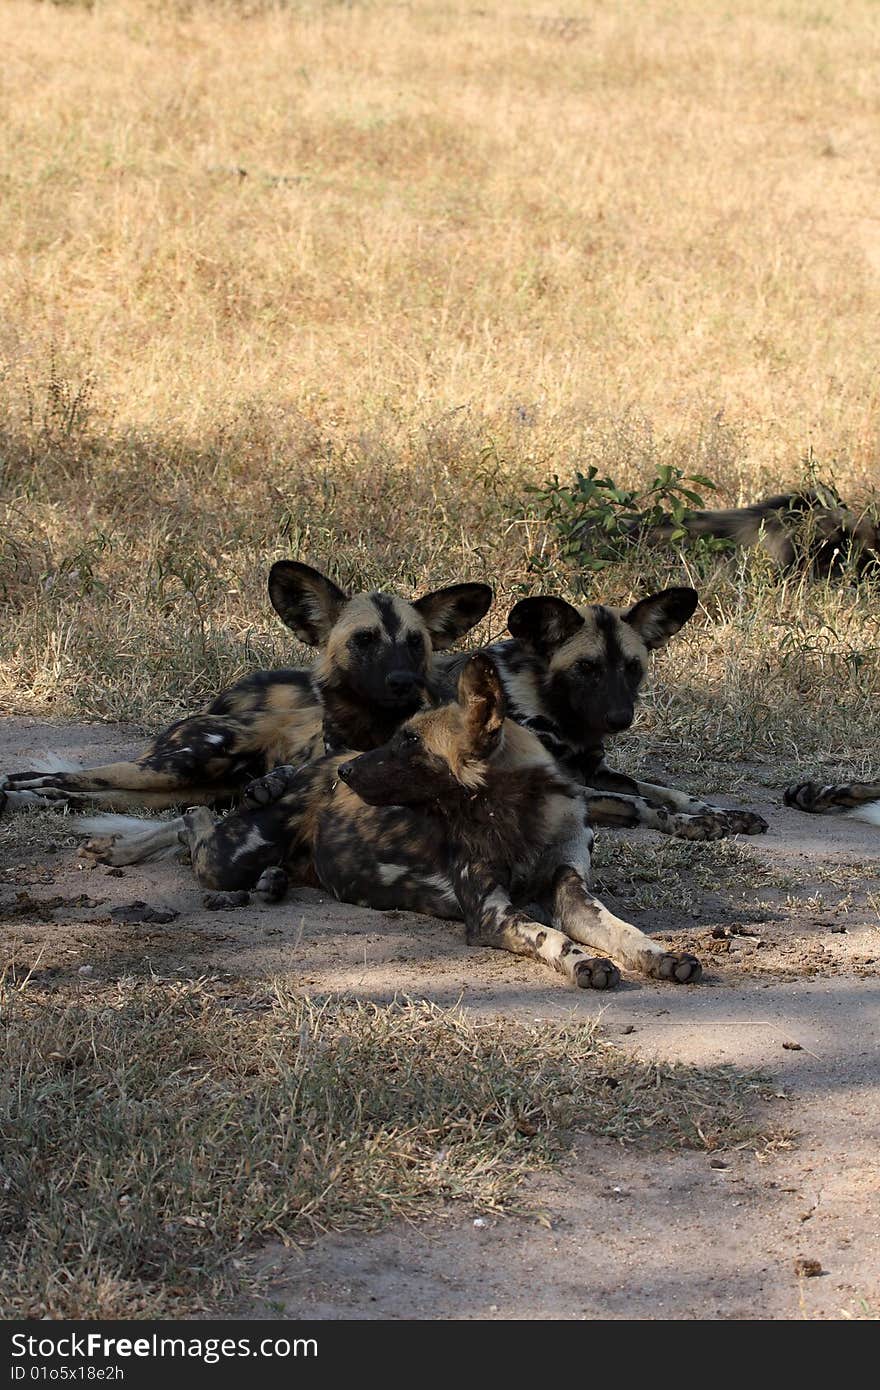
x=414 y=639
x=409 y=737
x=366 y=638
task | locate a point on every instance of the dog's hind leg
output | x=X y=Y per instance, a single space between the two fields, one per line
x=235 y=852
x=257 y=846
x=203 y=757
x=122 y=800
x=244 y=850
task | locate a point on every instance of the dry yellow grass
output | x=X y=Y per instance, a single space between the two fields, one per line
x=661 y=204
x=342 y=279
x=152 y=1133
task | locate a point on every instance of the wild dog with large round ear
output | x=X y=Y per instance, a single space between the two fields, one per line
x=594 y=659
x=305 y=600
x=376 y=666
x=573 y=675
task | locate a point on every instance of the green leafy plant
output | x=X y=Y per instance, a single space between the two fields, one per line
x=597 y=521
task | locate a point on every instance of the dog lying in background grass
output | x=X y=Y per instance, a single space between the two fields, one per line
x=377 y=662
x=462 y=814
x=812 y=529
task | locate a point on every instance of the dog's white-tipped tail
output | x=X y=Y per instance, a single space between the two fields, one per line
x=870 y=812
x=50 y=762
x=106 y=823
x=136 y=838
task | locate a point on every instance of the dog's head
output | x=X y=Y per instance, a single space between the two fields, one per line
x=438 y=754
x=594 y=659
x=377 y=646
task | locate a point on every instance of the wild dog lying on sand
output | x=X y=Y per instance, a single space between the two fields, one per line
x=463 y=814
x=572 y=676
x=858 y=800
x=376 y=662
x=813 y=528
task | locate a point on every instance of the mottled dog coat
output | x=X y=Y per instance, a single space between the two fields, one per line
x=461 y=814
x=813 y=529
x=376 y=665
x=858 y=800
x=573 y=675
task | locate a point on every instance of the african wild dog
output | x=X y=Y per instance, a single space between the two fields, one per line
x=572 y=675
x=858 y=800
x=462 y=814
x=376 y=665
x=814 y=529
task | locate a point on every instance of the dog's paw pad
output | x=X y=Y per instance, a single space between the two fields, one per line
x=596 y=973
x=98 y=850
x=679 y=967
x=704 y=825
x=226 y=902
x=264 y=790
x=272 y=885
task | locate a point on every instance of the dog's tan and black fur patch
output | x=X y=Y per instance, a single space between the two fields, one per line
x=811 y=529
x=573 y=676
x=858 y=800
x=461 y=814
x=376 y=666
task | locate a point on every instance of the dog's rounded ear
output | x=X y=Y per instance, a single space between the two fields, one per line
x=543 y=623
x=449 y=613
x=659 y=617
x=305 y=600
x=481 y=696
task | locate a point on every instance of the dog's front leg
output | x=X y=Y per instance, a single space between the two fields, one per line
x=587 y=920
x=492 y=920
x=604 y=778
x=651 y=805
x=626 y=810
